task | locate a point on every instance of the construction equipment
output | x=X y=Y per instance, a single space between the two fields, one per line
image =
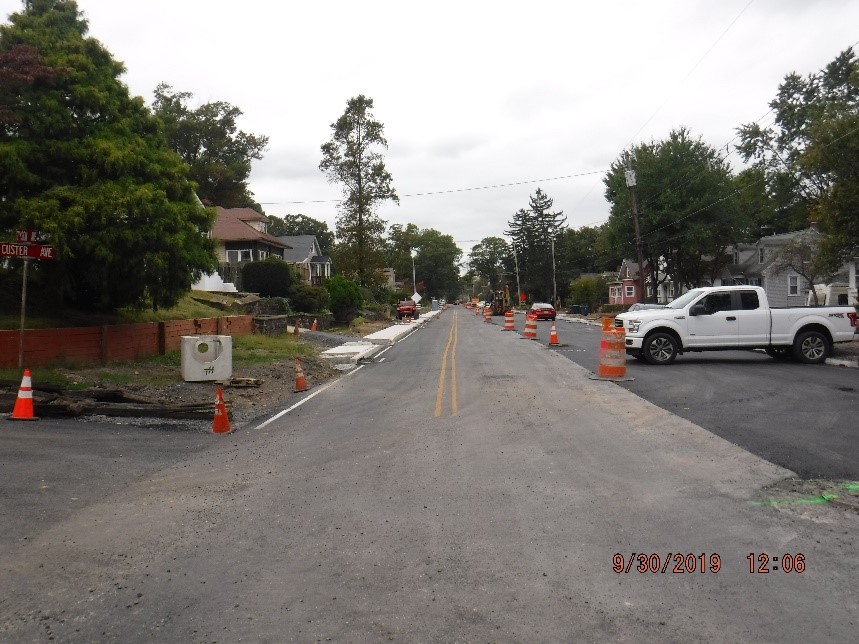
x=500 y=301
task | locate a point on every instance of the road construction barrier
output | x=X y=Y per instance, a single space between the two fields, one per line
x=487 y=314
x=553 y=337
x=530 y=327
x=612 y=362
x=509 y=322
x=23 y=409
x=221 y=421
x=300 y=381
x=313 y=326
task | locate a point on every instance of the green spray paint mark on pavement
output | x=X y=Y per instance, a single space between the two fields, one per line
x=851 y=486
x=823 y=498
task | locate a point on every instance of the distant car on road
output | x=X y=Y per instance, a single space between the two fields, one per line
x=543 y=311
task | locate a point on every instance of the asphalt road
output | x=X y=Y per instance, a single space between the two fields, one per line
x=801 y=417
x=469 y=485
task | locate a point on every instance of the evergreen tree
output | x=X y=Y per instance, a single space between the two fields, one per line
x=533 y=232
x=91 y=170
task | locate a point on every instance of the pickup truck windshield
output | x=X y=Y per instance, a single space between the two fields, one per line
x=684 y=299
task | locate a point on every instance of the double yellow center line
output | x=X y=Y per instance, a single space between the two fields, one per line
x=451 y=342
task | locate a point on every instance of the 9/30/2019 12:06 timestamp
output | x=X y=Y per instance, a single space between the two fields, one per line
x=680 y=563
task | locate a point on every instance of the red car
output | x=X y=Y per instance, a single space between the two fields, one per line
x=543 y=311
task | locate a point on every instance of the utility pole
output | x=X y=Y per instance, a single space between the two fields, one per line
x=518 y=288
x=554 y=280
x=631 y=184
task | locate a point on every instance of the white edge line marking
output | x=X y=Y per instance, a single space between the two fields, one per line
x=304 y=400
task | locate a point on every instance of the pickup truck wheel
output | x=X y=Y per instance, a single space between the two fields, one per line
x=811 y=347
x=660 y=348
x=779 y=353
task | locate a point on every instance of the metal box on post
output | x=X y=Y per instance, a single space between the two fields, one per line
x=207 y=358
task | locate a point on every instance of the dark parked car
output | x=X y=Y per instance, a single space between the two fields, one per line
x=543 y=311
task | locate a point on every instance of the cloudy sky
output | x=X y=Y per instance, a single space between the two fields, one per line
x=512 y=95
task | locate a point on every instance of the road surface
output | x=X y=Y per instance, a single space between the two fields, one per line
x=470 y=485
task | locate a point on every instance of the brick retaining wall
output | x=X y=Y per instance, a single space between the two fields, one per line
x=101 y=344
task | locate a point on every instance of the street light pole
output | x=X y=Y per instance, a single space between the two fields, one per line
x=414 y=283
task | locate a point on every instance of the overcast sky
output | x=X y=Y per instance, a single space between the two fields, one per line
x=473 y=94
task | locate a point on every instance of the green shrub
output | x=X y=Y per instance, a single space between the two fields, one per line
x=344 y=298
x=271 y=277
x=307 y=298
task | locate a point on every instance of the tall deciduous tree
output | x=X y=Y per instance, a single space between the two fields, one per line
x=352 y=159
x=808 y=156
x=491 y=258
x=302 y=225
x=401 y=242
x=437 y=264
x=90 y=168
x=688 y=208
x=208 y=140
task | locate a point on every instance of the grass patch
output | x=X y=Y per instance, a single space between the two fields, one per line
x=187 y=308
x=255 y=349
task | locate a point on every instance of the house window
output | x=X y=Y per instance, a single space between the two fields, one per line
x=630 y=291
x=736 y=257
x=649 y=291
x=238 y=256
x=793 y=285
x=760 y=255
x=263 y=254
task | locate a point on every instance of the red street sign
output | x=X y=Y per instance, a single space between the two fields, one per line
x=522 y=297
x=25 y=251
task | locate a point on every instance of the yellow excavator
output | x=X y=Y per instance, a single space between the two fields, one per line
x=501 y=302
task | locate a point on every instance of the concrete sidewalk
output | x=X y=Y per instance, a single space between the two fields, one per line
x=350 y=353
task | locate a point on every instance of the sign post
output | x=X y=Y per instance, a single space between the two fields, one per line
x=26 y=249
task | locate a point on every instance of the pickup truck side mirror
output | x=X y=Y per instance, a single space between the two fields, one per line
x=698 y=309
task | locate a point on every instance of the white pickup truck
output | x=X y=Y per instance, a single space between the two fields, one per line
x=735 y=317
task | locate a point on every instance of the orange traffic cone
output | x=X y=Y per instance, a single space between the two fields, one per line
x=313 y=326
x=300 y=381
x=221 y=422
x=553 y=337
x=24 y=404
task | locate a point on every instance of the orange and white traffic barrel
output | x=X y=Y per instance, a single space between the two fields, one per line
x=509 y=324
x=487 y=314
x=530 y=327
x=612 y=363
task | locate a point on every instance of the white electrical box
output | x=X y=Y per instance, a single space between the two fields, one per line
x=207 y=358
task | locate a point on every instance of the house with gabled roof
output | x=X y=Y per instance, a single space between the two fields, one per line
x=304 y=253
x=240 y=236
x=757 y=265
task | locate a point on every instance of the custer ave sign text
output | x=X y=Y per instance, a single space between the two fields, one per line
x=24 y=250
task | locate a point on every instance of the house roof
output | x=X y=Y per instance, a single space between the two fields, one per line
x=232 y=224
x=303 y=249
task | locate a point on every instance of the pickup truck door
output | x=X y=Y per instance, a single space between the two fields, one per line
x=754 y=321
x=714 y=323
